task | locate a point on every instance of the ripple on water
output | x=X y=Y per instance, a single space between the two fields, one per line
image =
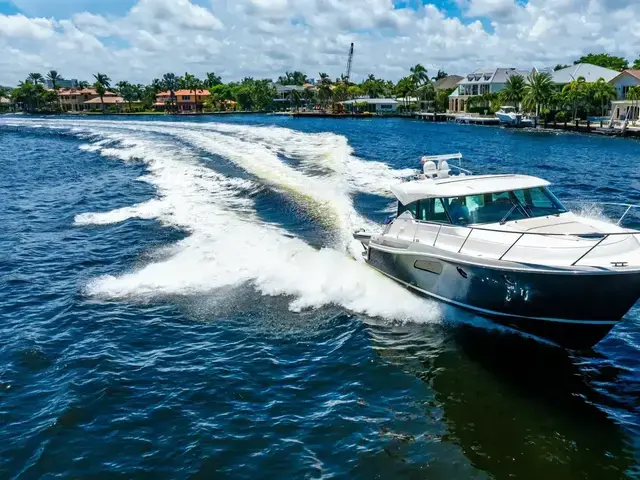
x=176 y=303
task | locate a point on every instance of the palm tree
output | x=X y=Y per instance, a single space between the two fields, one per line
x=212 y=80
x=309 y=95
x=574 y=92
x=170 y=83
x=427 y=92
x=192 y=84
x=83 y=84
x=296 y=96
x=538 y=90
x=419 y=75
x=513 y=91
x=54 y=78
x=603 y=91
x=103 y=82
x=36 y=78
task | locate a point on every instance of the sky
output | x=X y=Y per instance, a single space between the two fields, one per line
x=138 y=40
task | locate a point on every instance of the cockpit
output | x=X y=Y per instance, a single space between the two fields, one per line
x=495 y=207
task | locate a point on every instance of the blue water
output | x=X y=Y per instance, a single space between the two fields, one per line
x=179 y=299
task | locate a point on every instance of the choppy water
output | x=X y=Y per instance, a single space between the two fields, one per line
x=180 y=299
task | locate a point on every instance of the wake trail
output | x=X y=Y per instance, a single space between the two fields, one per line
x=228 y=245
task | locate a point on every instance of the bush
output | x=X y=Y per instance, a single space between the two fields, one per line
x=561 y=117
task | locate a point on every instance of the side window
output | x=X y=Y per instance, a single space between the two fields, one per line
x=432 y=210
x=412 y=207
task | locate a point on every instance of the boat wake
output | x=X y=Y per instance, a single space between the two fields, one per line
x=228 y=244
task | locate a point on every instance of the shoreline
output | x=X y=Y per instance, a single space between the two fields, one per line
x=575 y=127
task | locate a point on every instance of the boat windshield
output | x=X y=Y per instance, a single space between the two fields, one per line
x=501 y=207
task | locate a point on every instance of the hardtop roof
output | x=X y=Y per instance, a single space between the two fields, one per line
x=463 y=185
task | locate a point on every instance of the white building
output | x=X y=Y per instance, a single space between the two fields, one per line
x=624 y=80
x=373 y=105
x=480 y=82
x=622 y=108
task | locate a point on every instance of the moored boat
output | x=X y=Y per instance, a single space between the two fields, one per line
x=505 y=247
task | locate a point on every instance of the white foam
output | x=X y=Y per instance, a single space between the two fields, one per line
x=228 y=245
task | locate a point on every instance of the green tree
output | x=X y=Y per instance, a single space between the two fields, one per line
x=171 y=84
x=193 y=84
x=83 y=84
x=212 y=80
x=419 y=75
x=538 y=90
x=355 y=91
x=36 y=78
x=325 y=91
x=442 y=100
x=102 y=83
x=604 y=60
x=54 y=77
x=405 y=88
x=293 y=78
x=636 y=64
x=373 y=87
x=560 y=67
x=440 y=75
x=309 y=95
x=575 y=92
x=296 y=99
x=129 y=93
x=513 y=91
x=603 y=92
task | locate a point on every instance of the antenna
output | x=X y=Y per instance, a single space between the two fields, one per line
x=346 y=77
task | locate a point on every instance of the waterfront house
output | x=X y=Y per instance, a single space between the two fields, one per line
x=622 y=108
x=186 y=100
x=590 y=73
x=480 y=82
x=372 y=105
x=283 y=93
x=625 y=80
x=106 y=102
x=76 y=100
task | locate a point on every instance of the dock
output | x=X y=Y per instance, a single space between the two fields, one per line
x=457 y=118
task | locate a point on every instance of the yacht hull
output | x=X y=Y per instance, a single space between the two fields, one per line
x=570 y=308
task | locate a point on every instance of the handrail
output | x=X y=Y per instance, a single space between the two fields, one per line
x=495 y=230
x=615 y=204
x=600 y=236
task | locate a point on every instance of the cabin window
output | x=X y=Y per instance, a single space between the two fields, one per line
x=499 y=207
x=539 y=202
x=412 y=207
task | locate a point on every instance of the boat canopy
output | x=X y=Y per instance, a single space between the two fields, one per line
x=461 y=185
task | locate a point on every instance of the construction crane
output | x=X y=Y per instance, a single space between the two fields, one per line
x=349 y=60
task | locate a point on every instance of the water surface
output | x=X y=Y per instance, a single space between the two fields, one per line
x=180 y=299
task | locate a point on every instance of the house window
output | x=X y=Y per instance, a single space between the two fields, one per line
x=186 y=97
x=384 y=107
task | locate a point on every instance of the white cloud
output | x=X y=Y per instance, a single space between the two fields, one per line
x=263 y=38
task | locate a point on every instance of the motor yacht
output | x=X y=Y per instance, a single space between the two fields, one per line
x=503 y=246
x=510 y=118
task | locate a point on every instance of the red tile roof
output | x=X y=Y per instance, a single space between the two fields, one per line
x=635 y=73
x=200 y=93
